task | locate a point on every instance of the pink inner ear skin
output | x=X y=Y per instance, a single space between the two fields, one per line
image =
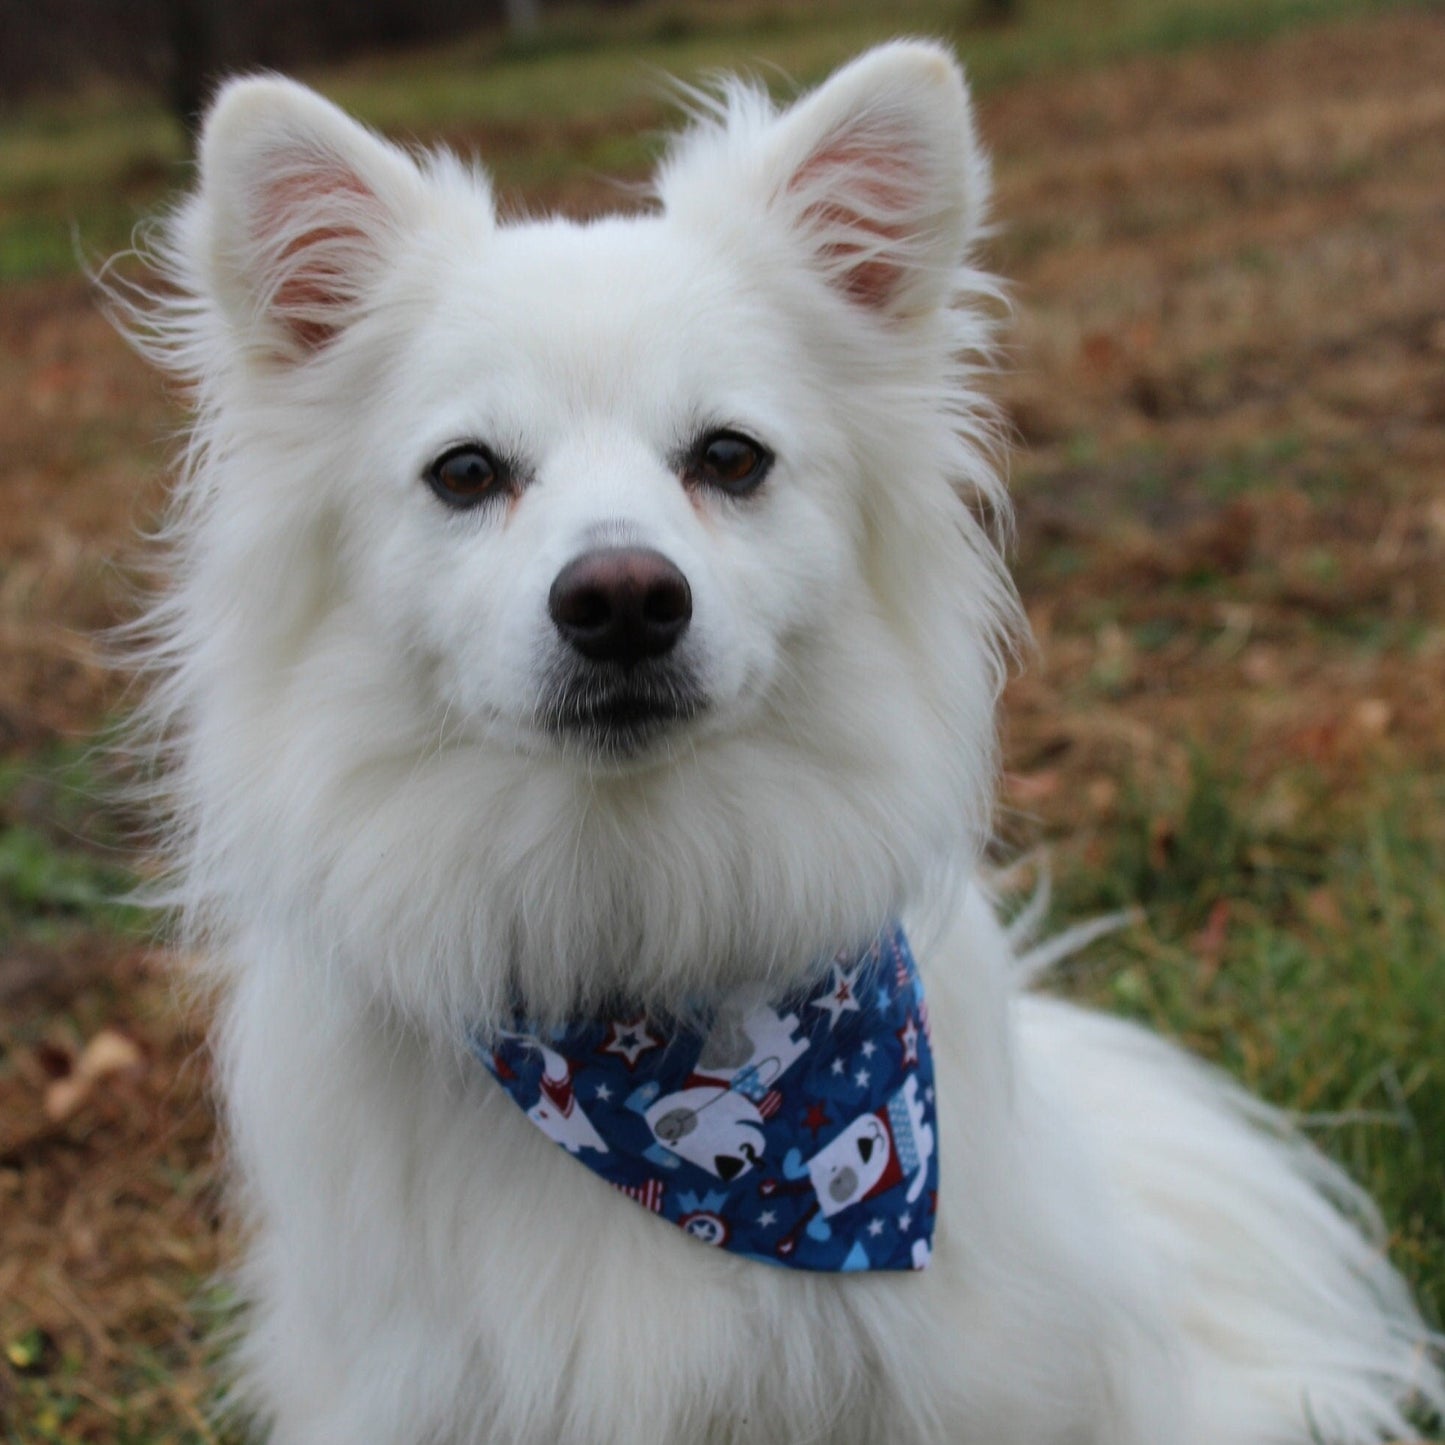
x=873 y=182
x=315 y=282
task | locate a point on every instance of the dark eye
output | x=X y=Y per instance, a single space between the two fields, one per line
x=467 y=475
x=729 y=461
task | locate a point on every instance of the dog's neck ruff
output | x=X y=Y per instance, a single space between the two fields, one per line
x=799 y=1133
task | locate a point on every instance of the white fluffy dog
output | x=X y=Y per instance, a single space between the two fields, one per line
x=564 y=614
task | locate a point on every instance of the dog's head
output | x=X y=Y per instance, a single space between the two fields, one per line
x=598 y=605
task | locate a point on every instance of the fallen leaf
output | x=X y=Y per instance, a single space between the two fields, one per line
x=30 y=1352
x=1372 y=716
x=1322 y=907
x=1099 y=352
x=1261 y=665
x=64 y=1098
x=109 y=1052
x=1033 y=787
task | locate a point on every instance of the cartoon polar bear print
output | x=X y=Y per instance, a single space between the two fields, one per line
x=875 y=1152
x=715 y=1120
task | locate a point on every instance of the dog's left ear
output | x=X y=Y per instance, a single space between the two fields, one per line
x=877 y=174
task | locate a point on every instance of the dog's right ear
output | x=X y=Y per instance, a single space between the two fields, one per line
x=301 y=210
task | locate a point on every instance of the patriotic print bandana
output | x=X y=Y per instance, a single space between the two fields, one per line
x=799 y=1133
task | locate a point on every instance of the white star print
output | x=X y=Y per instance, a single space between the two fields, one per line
x=875 y=1228
x=630 y=1040
x=908 y=1037
x=766 y=1218
x=869 y=1048
x=840 y=997
x=861 y=1078
x=837 y=1066
x=905 y=1220
x=602 y=1092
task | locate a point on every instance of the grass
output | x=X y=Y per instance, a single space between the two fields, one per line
x=63 y=861
x=1301 y=947
x=88 y=172
x=572 y=69
x=1234 y=718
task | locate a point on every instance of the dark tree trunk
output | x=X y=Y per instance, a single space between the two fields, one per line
x=524 y=17
x=996 y=12
x=198 y=38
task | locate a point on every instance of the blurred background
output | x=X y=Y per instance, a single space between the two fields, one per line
x=1224 y=229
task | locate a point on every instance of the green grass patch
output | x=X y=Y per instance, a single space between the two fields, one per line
x=56 y=243
x=64 y=865
x=1300 y=942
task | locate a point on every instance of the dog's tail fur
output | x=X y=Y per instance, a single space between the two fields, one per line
x=1301 y=1327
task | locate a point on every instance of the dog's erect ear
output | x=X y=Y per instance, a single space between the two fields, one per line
x=301 y=208
x=877 y=171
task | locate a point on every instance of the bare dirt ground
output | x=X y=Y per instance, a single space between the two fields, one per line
x=1227 y=374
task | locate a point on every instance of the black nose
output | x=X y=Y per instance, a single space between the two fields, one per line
x=620 y=604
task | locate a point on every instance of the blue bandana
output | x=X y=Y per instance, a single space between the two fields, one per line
x=800 y=1133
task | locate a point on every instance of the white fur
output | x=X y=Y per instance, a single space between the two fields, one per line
x=383 y=846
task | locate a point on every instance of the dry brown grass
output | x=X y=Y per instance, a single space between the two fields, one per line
x=1229 y=376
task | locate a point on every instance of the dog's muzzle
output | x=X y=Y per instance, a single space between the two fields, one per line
x=621 y=611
